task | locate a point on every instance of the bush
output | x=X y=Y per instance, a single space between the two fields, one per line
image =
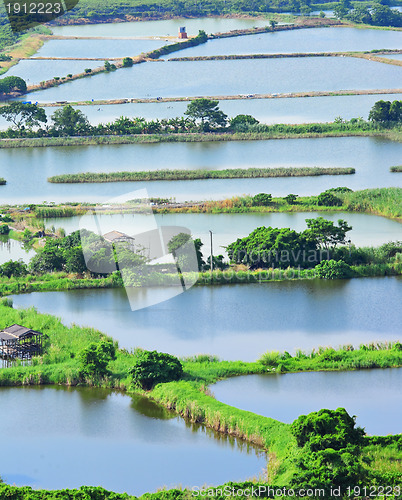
x=328 y=199
x=333 y=269
x=88 y=70
x=4 y=229
x=270 y=358
x=127 y=62
x=291 y=199
x=152 y=367
x=262 y=200
x=95 y=358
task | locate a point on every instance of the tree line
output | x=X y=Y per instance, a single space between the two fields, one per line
x=378 y=15
x=202 y=115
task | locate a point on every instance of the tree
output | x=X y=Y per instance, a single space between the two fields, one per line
x=70 y=121
x=208 y=112
x=242 y=122
x=291 y=199
x=75 y=261
x=328 y=199
x=152 y=367
x=379 y=113
x=47 y=261
x=325 y=232
x=95 y=358
x=184 y=241
x=340 y=11
x=14 y=268
x=329 y=451
x=127 y=62
x=272 y=23
x=395 y=111
x=11 y=84
x=262 y=200
x=23 y=115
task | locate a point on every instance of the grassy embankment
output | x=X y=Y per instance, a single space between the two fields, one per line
x=190 y=397
x=28 y=45
x=371 y=56
x=386 y=202
x=184 y=175
x=267 y=132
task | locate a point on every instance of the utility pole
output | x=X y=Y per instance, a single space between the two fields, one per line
x=211 y=258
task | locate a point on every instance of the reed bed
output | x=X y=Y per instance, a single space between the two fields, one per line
x=187 y=175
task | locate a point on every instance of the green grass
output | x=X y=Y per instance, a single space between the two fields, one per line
x=173 y=175
x=257 y=133
x=396 y=169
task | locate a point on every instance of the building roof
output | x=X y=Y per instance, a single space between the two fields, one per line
x=116 y=235
x=17 y=331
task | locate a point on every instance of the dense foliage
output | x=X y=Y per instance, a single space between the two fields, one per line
x=152 y=367
x=284 y=247
x=11 y=84
x=378 y=15
x=330 y=451
x=202 y=115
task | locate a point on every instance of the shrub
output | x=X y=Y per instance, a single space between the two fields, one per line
x=328 y=199
x=88 y=70
x=4 y=229
x=95 y=358
x=152 y=367
x=127 y=62
x=333 y=269
x=262 y=200
x=291 y=199
x=270 y=358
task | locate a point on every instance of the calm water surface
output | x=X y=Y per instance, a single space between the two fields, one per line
x=33 y=71
x=367 y=229
x=64 y=438
x=14 y=250
x=238 y=321
x=375 y=396
x=98 y=48
x=304 y=40
x=173 y=79
x=159 y=28
x=393 y=56
x=27 y=169
x=295 y=110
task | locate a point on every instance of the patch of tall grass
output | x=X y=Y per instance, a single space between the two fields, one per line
x=186 y=175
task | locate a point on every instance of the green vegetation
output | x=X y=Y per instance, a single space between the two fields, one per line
x=204 y=121
x=396 y=169
x=95 y=358
x=152 y=367
x=78 y=355
x=378 y=15
x=12 y=84
x=3 y=182
x=208 y=113
x=4 y=229
x=347 y=357
x=268 y=247
x=386 y=112
x=173 y=175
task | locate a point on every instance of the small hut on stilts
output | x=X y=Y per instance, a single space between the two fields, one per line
x=19 y=342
